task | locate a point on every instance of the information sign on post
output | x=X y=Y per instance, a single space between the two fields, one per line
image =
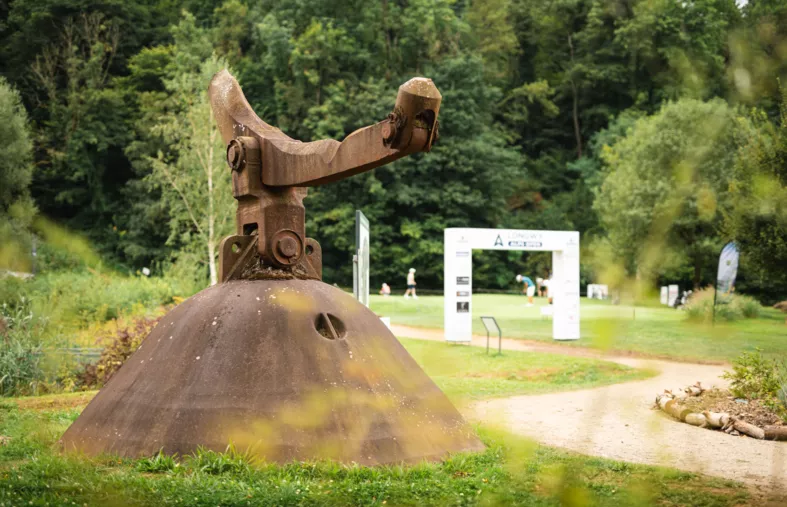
x=361 y=259
x=490 y=323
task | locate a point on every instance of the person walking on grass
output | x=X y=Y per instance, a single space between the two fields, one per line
x=410 y=285
x=529 y=288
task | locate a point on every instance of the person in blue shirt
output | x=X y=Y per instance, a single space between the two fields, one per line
x=529 y=288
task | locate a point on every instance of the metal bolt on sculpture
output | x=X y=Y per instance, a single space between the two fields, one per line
x=272 y=360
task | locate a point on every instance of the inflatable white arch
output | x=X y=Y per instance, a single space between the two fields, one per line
x=458 y=288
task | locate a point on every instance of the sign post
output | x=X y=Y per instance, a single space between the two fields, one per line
x=490 y=324
x=361 y=259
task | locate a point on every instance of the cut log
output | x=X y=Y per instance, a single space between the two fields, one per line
x=662 y=399
x=674 y=409
x=716 y=419
x=696 y=420
x=776 y=433
x=748 y=429
x=686 y=392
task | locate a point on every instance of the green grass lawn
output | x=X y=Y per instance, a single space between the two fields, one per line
x=510 y=472
x=651 y=330
x=468 y=373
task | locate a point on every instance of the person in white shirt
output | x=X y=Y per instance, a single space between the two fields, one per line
x=546 y=283
x=410 y=285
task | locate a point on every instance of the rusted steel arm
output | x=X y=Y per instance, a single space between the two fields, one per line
x=287 y=162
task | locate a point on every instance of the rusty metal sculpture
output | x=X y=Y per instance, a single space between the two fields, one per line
x=273 y=360
x=270 y=171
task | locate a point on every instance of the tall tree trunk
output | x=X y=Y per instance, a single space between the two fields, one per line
x=575 y=98
x=211 y=216
x=387 y=31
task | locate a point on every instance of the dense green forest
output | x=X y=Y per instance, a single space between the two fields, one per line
x=657 y=128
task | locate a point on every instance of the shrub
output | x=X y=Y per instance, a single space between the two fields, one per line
x=747 y=306
x=20 y=350
x=699 y=305
x=76 y=300
x=730 y=307
x=50 y=259
x=782 y=395
x=117 y=348
x=756 y=377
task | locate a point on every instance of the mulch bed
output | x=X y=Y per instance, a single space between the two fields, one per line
x=718 y=400
x=719 y=409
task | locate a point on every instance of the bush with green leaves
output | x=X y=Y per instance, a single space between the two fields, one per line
x=20 y=349
x=746 y=306
x=728 y=307
x=75 y=300
x=755 y=377
x=117 y=348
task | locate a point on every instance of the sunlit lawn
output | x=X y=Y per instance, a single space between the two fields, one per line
x=511 y=471
x=463 y=373
x=652 y=330
x=468 y=373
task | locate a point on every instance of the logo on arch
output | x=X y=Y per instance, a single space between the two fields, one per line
x=499 y=241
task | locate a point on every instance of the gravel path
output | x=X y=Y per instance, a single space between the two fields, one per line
x=617 y=421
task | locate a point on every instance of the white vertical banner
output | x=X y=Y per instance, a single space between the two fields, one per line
x=361 y=259
x=673 y=292
x=458 y=286
x=565 y=278
x=728 y=268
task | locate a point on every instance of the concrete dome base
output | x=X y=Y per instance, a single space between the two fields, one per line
x=285 y=369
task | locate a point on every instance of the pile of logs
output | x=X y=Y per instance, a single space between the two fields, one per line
x=670 y=402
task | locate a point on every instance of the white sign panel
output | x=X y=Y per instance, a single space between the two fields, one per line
x=673 y=293
x=597 y=291
x=458 y=275
x=361 y=259
x=664 y=295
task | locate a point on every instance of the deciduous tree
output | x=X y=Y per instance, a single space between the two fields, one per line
x=666 y=188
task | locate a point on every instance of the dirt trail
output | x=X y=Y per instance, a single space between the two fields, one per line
x=618 y=422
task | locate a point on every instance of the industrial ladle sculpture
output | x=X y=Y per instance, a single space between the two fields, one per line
x=272 y=360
